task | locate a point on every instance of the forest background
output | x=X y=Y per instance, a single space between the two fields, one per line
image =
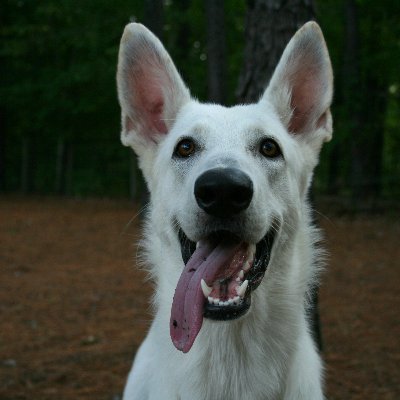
x=60 y=120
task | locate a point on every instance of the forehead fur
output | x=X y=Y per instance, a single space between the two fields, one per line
x=231 y=128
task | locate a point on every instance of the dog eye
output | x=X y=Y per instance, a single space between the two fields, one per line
x=185 y=148
x=269 y=148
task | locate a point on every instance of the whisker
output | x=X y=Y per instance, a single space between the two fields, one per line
x=129 y=223
x=325 y=217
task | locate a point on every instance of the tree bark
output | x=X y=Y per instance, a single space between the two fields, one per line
x=216 y=51
x=61 y=166
x=269 y=26
x=2 y=150
x=365 y=114
x=27 y=165
x=154 y=16
x=352 y=96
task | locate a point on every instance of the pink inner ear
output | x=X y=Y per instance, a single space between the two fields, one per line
x=305 y=93
x=148 y=100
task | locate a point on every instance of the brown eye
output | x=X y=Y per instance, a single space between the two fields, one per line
x=269 y=148
x=185 y=148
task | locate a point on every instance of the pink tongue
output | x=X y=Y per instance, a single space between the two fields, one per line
x=187 y=307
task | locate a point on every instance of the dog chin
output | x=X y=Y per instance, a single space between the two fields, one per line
x=227 y=288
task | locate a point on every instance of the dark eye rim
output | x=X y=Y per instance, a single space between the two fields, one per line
x=190 y=153
x=276 y=154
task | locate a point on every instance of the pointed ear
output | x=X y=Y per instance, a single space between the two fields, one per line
x=150 y=89
x=301 y=87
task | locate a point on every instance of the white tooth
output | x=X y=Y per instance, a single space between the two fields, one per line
x=226 y=303
x=230 y=301
x=241 y=290
x=236 y=300
x=206 y=289
x=210 y=300
x=241 y=274
x=246 y=266
x=251 y=251
x=201 y=242
x=221 y=303
x=216 y=301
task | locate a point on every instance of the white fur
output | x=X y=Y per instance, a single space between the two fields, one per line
x=269 y=352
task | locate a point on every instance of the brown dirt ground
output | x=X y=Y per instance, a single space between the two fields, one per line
x=73 y=308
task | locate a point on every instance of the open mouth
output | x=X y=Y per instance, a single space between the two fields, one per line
x=220 y=273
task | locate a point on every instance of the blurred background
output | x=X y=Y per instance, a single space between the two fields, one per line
x=73 y=306
x=59 y=117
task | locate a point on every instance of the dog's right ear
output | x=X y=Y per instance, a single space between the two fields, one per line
x=150 y=89
x=301 y=87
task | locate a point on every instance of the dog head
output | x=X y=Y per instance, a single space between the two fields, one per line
x=225 y=178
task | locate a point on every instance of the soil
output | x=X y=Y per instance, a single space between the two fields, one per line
x=74 y=307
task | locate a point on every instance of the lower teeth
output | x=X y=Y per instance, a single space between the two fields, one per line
x=234 y=301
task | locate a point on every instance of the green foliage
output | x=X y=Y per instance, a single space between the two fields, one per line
x=185 y=39
x=59 y=80
x=58 y=62
x=375 y=96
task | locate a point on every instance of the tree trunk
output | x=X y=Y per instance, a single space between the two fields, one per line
x=352 y=95
x=27 y=165
x=180 y=45
x=61 y=166
x=2 y=150
x=154 y=16
x=69 y=169
x=216 y=51
x=365 y=114
x=374 y=127
x=269 y=26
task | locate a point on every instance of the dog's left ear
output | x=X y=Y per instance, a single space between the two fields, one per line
x=150 y=89
x=301 y=87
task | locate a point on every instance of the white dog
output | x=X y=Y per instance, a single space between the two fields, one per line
x=228 y=236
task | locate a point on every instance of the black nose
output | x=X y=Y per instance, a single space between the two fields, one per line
x=223 y=192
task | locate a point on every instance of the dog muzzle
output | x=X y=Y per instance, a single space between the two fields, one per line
x=219 y=275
